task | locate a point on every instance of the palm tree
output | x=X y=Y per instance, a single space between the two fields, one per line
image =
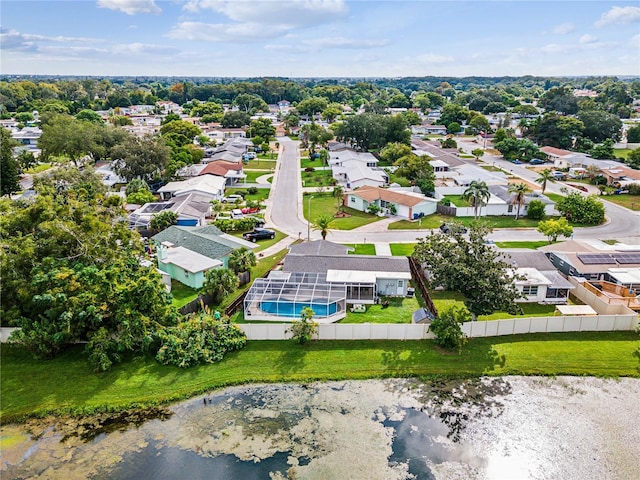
x=322 y=223
x=519 y=190
x=478 y=194
x=545 y=176
x=241 y=260
x=338 y=192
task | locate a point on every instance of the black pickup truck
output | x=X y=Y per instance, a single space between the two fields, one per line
x=259 y=234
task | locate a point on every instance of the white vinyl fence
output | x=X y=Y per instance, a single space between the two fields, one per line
x=406 y=331
x=493 y=328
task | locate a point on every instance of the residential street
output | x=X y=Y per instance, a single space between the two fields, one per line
x=284 y=211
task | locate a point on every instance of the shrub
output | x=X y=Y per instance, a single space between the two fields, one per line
x=634 y=188
x=140 y=197
x=303 y=330
x=446 y=327
x=536 y=210
x=199 y=339
x=445 y=201
x=252 y=190
x=309 y=169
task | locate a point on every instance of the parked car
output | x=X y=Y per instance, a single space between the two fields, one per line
x=515 y=161
x=246 y=210
x=232 y=198
x=236 y=213
x=452 y=227
x=536 y=161
x=559 y=175
x=258 y=234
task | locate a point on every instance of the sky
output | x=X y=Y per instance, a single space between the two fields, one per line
x=319 y=38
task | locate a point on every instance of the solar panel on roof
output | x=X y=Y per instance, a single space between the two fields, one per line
x=595 y=259
x=627 y=258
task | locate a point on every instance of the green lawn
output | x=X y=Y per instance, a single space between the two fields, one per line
x=261 y=163
x=317 y=178
x=631 y=202
x=181 y=293
x=622 y=152
x=262 y=193
x=529 y=310
x=252 y=175
x=398 y=311
x=402 y=249
x=41 y=167
x=435 y=220
x=362 y=248
x=444 y=300
x=556 y=197
x=322 y=204
x=531 y=245
x=262 y=244
x=65 y=384
x=458 y=201
x=307 y=162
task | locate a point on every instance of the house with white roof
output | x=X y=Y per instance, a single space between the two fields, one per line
x=184 y=265
x=210 y=186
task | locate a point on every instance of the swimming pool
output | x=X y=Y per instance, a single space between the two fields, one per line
x=293 y=309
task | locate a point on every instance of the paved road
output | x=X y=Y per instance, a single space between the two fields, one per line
x=284 y=210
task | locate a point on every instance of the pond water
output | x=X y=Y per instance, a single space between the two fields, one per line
x=490 y=428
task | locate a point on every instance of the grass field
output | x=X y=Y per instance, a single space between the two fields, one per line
x=64 y=384
x=323 y=204
x=398 y=311
x=41 y=167
x=631 y=202
x=402 y=249
x=317 y=178
x=458 y=201
x=262 y=193
x=181 y=293
x=530 y=245
x=261 y=163
x=556 y=197
x=362 y=248
x=435 y=220
x=622 y=152
x=252 y=175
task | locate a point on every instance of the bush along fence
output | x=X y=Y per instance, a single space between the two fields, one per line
x=491 y=328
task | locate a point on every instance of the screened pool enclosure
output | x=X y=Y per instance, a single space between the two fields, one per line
x=283 y=295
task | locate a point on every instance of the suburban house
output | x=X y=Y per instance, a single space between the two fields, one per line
x=109 y=177
x=620 y=175
x=27 y=137
x=593 y=259
x=326 y=282
x=191 y=209
x=232 y=172
x=184 y=265
x=428 y=129
x=542 y=283
x=399 y=202
x=209 y=185
x=207 y=240
x=356 y=169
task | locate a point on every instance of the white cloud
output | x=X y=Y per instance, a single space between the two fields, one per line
x=433 y=59
x=563 y=28
x=586 y=38
x=622 y=15
x=223 y=33
x=131 y=7
x=14 y=40
x=258 y=19
x=635 y=41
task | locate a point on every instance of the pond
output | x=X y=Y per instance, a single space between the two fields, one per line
x=488 y=428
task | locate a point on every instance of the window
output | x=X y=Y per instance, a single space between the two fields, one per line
x=400 y=284
x=352 y=199
x=530 y=290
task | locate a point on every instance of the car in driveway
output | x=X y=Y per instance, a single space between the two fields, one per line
x=559 y=175
x=515 y=161
x=232 y=199
x=536 y=161
x=259 y=234
x=452 y=227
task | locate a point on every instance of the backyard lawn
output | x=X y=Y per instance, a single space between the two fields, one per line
x=398 y=311
x=65 y=384
x=317 y=178
x=181 y=293
x=458 y=201
x=325 y=203
x=307 y=162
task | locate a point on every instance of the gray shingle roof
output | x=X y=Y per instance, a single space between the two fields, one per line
x=361 y=263
x=207 y=240
x=319 y=247
x=529 y=259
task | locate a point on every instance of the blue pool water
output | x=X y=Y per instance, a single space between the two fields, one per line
x=293 y=309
